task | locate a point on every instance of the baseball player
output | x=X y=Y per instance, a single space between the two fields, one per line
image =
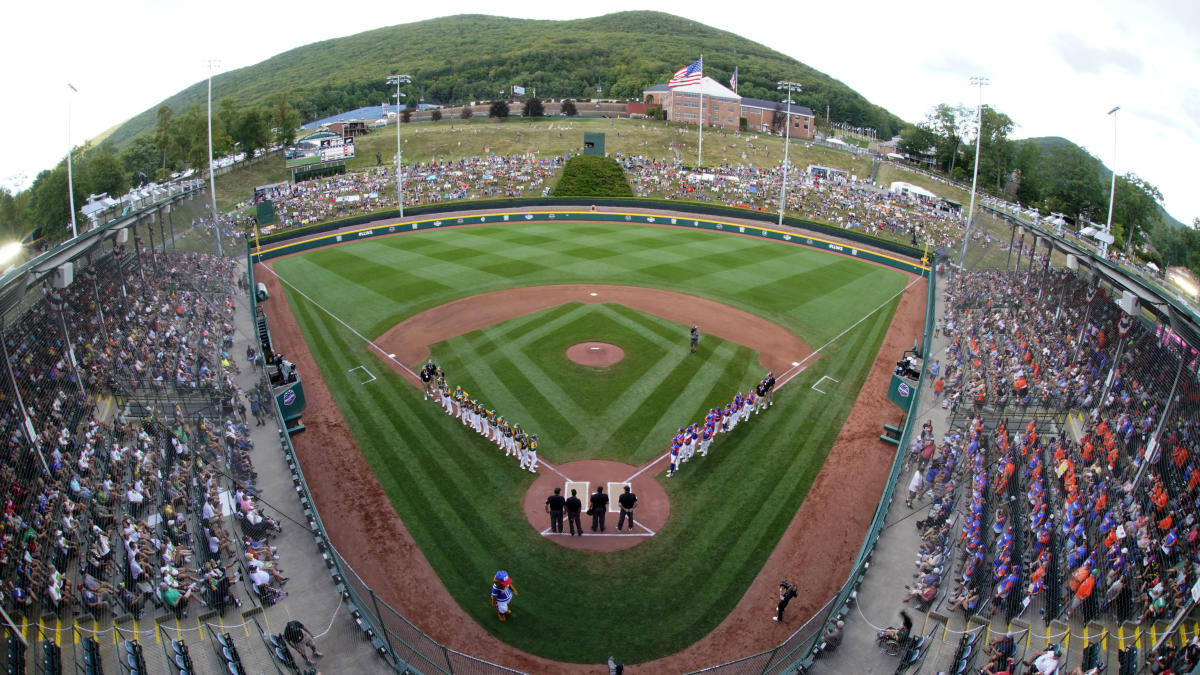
x=533 y=459
x=498 y=431
x=523 y=455
x=770 y=382
x=748 y=405
x=694 y=338
x=447 y=400
x=503 y=592
x=674 y=460
x=706 y=436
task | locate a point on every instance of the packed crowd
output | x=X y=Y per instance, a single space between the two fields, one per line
x=485 y=421
x=697 y=437
x=847 y=202
x=839 y=200
x=113 y=505
x=1085 y=519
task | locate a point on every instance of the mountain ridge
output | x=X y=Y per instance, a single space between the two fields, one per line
x=471 y=56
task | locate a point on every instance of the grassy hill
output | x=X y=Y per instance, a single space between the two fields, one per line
x=1049 y=144
x=470 y=57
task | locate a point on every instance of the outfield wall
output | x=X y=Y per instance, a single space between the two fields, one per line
x=267 y=252
x=402 y=644
x=608 y=205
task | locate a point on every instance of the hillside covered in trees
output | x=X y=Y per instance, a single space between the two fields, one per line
x=471 y=57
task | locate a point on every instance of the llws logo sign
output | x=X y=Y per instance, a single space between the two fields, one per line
x=903 y=389
x=289 y=397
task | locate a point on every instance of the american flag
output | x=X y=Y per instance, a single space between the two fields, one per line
x=733 y=80
x=689 y=75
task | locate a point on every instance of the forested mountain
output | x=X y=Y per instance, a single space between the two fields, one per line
x=471 y=57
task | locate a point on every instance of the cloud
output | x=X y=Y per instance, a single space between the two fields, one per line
x=954 y=65
x=1084 y=58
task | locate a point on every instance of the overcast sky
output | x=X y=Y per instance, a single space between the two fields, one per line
x=1056 y=68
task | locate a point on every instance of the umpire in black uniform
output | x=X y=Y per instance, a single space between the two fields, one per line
x=554 y=506
x=599 y=508
x=628 y=502
x=574 y=507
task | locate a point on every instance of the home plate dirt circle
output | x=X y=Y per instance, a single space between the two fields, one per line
x=595 y=354
x=653 y=505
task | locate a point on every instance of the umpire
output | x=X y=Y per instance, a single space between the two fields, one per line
x=554 y=506
x=574 y=507
x=628 y=502
x=599 y=504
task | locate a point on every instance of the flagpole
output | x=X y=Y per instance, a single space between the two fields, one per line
x=700 y=131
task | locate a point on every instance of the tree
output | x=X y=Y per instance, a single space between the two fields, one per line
x=285 y=119
x=498 y=109
x=436 y=115
x=568 y=108
x=405 y=116
x=1074 y=187
x=996 y=157
x=1137 y=207
x=103 y=173
x=14 y=214
x=139 y=157
x=533 y=108
x=466 y=113
x=918 y=141
x=49 y=205
x=777 y=118
x=163 y=133
x=224 y=120
x=250 y=132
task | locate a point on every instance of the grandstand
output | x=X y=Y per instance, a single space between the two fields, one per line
x=1055 y=475
x=145 y=514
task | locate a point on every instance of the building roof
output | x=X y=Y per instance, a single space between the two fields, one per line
x=767 y=104
x=707 y=87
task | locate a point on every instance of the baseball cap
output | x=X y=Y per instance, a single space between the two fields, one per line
x=502 y=578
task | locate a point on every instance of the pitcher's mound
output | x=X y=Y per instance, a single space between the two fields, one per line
x=595 y=354
x=653 y=505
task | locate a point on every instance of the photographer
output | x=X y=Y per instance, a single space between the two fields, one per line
x=787 y=591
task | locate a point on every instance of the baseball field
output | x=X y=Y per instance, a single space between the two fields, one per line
x=461 y=500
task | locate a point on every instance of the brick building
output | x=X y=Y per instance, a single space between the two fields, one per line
x=723 y=108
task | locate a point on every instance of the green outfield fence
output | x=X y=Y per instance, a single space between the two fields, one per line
x=400 y=643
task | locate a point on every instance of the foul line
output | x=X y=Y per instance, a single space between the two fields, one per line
x=335 y=318
x=788 y=378
x=548 y=465
x=644 y=468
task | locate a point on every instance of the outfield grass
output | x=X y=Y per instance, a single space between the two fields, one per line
x=461 y=498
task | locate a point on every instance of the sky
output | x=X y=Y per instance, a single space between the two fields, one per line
x=1056 y=68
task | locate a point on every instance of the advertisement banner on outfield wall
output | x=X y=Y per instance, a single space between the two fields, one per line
x=901 y=391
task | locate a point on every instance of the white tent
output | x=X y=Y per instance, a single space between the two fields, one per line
x=908 y=189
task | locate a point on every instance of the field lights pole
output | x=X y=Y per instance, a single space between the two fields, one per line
x=787 y=142
x=70 y=179
x=980 y=82
x=212 y=181
x=398 y=80
x=1112 y=192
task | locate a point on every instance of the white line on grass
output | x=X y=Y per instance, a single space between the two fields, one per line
x=643 y=469
x=823 y=378
x=364 y=369
x=787 y=378
x=335 y=318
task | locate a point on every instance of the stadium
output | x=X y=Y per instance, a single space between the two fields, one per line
x=249 y=421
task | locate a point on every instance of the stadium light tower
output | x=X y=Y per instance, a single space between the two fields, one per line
x=787 y=142
x=1112 y=192
x=980 y=82
x=70 y=178
x=212 y=64
x=398 y=80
